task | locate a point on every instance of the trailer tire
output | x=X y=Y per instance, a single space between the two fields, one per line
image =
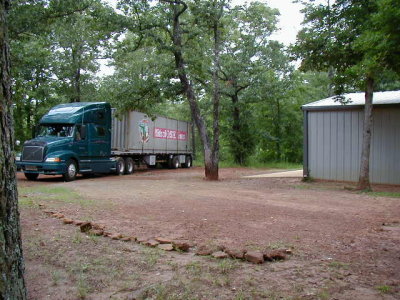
x=120 y=166
x=175 y=162
x=129 y=165
x=188 y=162
x=31 y=176
x=71 y=171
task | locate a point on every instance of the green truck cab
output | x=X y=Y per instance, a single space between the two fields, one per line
x=72 y=138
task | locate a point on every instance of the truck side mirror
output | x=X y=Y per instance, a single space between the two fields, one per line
x=83 y=132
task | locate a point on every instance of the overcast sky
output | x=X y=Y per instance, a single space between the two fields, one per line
x=289 y=20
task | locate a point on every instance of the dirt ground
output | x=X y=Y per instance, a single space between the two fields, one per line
x=346 y=244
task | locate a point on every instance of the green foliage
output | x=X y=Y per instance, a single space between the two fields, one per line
x=279 y=118
x=384 y=289
x=141 y=79
x=30 y=196
x=356 y=38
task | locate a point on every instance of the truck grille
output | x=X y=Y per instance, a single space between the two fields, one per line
x=32 y=153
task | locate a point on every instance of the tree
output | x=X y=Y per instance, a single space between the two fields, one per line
x=279 y=121
x=210 y=15
x=78 y=41
x=141 y=78
x=248 y=55
x=210 y=161
x=34 y=88
x=357 y=39
x=12 y=285
x=168 y=26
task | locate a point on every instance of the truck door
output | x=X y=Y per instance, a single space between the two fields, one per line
x=80 y=146
x=100 y=143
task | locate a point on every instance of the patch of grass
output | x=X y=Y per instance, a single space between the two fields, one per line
x=308 y=179
x=94 y=238
x=226 y=265
x=303 y=186
x=195 y=268
x=253 y=163
x=383 y=194
x=176 y=290
x=384 y=289
x=318 y=186
x=253 y=247
x=297 y=238
x=338 y=265
x=82 y=287
x=35 y=249
x=77 y=238
x=52 y=193
x=279 y=245
x=27 y=202
x=55 y=277
x=262 y=165
x=150 y=257
x=174 y=266
x=221 y=281
x=240 y=295
x=323 y=295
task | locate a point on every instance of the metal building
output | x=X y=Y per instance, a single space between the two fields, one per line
x=333 y=138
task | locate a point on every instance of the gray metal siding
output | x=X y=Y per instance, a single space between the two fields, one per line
x=334 y=145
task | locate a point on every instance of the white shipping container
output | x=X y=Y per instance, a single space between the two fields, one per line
x=136 y=133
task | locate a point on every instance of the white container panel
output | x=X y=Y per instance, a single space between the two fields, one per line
x=135 y=132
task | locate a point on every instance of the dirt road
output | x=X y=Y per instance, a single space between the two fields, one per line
x=321 y=222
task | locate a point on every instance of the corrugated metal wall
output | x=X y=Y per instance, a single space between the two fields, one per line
x=334 y=145
x=126 y=136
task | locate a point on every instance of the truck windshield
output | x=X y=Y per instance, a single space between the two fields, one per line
x=58 y=130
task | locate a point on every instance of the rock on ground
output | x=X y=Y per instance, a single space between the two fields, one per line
x=220 y=255
x=254 y=257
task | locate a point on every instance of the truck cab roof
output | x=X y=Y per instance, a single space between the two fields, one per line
x=72 y=113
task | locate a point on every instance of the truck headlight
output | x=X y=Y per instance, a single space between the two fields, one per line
x=18 y=157
x=53 y=159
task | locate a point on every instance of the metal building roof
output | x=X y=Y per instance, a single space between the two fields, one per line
x=354 y=100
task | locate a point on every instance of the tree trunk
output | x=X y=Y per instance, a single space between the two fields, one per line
x=12 y=285
x=363 y=181
x=278 y=131
x=76 y=78
x=216 y=98
x=193 y=140
x=77 y=85
x=238 y=155
x=211 y=172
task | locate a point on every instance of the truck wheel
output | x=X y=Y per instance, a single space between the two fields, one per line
x=120 y=166
x=129 y=165
x=31 y=176
x=175 y=162
x=72 y=170
x=188 y=162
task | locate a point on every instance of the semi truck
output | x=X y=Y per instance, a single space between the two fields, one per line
x=89 y=138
